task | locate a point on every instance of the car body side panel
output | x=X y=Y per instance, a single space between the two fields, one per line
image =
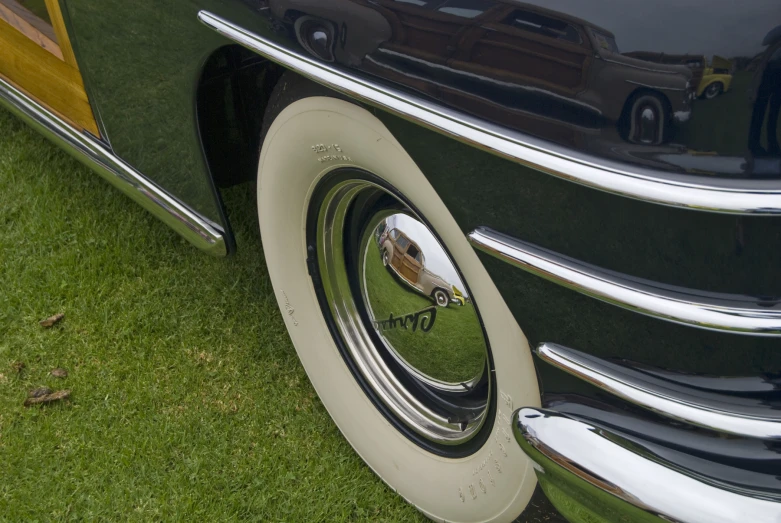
x=142 y=62
x=708 y=79
x=562 y=71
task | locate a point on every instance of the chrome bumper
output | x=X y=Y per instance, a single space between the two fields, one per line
x=593 y=475
x=705 y=310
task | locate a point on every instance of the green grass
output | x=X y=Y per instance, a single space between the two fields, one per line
x=188 y=403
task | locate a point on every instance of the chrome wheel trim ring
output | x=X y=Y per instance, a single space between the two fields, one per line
x=391 y=378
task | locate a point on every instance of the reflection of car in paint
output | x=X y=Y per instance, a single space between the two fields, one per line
x=716 y=79
x=525 y=57
x=315 y=21
x=405 y=258
x=709 y=81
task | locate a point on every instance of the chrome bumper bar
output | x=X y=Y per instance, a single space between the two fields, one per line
x=718 y=312
x=738 y=416
x=92 y=153
x=588 y=471
x=760 y=197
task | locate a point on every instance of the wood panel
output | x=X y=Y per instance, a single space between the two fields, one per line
x=45 y=77
x=37 y=30
x=53 y=6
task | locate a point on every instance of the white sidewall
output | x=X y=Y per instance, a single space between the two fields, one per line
x=496 y=482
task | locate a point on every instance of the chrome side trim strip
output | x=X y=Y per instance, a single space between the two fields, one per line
x=718 y=312
x=745 y=196
x=655 y=86
x=713 y=411
x=618 y=482
x=92 y=153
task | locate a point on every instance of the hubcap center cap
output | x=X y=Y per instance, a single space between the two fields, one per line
x=418 y=305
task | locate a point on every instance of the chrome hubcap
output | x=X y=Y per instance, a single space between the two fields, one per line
x=405 y=318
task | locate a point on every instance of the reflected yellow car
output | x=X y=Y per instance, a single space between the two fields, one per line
x=716 y=79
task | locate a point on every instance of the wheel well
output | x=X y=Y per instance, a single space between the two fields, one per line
x=624 y=121
x=644 y=90
x=233 y=92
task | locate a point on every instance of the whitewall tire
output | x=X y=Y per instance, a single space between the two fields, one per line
x=309 y=139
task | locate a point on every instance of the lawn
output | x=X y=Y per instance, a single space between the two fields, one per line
x=188 y=401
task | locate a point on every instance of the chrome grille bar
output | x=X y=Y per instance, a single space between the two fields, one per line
x=713 y=411
x=718 y=312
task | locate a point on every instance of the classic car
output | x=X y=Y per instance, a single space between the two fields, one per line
x=716 y=78
x=619 y=347
x=405 y=258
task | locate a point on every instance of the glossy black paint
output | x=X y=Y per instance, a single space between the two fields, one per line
x=550 y=69
x=605 y=78
x=141 y=63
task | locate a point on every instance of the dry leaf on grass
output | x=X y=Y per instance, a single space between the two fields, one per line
x=47 y=398
x=59 y=373
x=39 y=392
x=52 y=320
x=18 y=366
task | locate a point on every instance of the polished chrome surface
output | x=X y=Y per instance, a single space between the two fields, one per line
x=712 y=311
x=437 y=346
x=738 y=416
x=411 y=286
x=621 y=481
x=748 y=196
x=91 y=152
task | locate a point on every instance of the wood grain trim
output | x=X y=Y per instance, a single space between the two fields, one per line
x=45 y=77
x=53 y=6
x=18 y=17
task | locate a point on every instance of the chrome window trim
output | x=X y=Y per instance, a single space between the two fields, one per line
x=745 y=196
x=94 y=154
x=659 y=87
x=634 y=66
x=578 y=456
x=732 y=313
x=703 y=409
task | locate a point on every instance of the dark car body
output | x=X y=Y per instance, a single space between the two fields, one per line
x=658 y=309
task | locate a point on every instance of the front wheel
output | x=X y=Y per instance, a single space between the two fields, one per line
x=441 y=298
x=646 y=118
x=424 y=394
x=713 y=90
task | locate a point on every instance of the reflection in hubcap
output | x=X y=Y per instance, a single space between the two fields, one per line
x=406 y=321
x=443 y=344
